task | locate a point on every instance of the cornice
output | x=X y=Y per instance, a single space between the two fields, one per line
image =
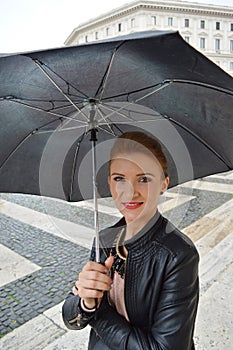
x=159 y=5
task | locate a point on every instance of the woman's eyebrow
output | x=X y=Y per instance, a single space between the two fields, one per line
x=141 y=174
x=113 y=174
x=145 y=174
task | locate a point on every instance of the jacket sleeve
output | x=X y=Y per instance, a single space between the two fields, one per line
x=73 y=315
x=174 y=316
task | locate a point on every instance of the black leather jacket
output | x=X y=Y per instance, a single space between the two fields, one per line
x=161 y=293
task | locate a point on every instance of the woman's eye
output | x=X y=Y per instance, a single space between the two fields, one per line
x=145 y=179
x=118 y=179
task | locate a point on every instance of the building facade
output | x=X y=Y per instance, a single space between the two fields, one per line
x=208 y=28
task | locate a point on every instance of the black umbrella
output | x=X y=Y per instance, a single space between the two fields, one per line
x=53 y=102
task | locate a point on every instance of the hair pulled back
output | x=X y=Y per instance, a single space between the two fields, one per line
x=137 y=141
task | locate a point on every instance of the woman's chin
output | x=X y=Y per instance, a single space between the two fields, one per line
x=132 y=216
x=139 y=219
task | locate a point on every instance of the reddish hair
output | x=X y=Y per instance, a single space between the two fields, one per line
x=143 y=143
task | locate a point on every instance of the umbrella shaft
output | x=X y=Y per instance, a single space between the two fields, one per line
x=96 y=219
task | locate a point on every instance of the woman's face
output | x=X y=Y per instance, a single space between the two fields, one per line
x=136 y=181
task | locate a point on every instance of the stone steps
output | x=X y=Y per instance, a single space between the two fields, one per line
x=213 y=236
x=215 y=263
x=212 y=228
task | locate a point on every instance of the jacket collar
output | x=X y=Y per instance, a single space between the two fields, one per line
x=143 y=237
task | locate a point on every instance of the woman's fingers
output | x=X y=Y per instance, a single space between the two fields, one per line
x=93 y=280
x=94 y=266
x=90 y=294
x=94 y=285
x=108 y=262
x=75 y=290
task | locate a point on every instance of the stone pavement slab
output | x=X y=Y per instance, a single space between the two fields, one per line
x=214 y=264
x=33 y=335
x=71 y=231
x=215 y=315
x=212 y=228
x=14 y=266
x=46 y=332
x=203 y=185
x=72 y=340
x=28 y=296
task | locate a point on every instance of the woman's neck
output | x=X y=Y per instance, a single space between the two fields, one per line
x=133 y=227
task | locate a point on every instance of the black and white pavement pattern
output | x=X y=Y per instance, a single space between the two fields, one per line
x=60 y=259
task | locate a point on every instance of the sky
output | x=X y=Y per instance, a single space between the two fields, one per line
x=27 y=25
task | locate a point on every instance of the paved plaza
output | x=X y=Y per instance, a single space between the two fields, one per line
x=45 y=242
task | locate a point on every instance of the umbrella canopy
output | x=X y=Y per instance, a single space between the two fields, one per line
x=52 y=103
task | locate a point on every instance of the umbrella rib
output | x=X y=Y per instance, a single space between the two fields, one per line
x=45 y=111
x=166 y=83
x=138 y=121
x=40 y=65
x=106 y=120
x=103 y=83
x=118 y=111
x=162 y=86
x=199 y=83
x=54 y=108
x=199 y=139
x=74 y=167
x=35 y=131
x=111 y=132
x=62 y=107
x=111 y=108
x=39 y=101
x=60 y=77
x=61 y=129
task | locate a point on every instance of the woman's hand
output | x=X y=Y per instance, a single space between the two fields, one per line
x=93 y=281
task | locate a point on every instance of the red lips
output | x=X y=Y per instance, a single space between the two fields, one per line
x=132 y=205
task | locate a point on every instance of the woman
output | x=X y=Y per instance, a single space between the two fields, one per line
x=144 y=294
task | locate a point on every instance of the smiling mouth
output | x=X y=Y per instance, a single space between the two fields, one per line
x=132 y=205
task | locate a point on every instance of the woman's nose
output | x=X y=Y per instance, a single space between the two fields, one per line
x=128 y=190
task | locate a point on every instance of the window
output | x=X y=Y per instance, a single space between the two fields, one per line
x=217 y=25
x=119 y=27
x=202 y=24
x=86 y=38
x=231 y=27
x=170 y=21
x=107 y=31
x=231 y=66
x=186 y=38
x=186 y=23
x=231 y=45
x=132 y=22
x=217 y=44
x=153 y=20
x=202 y=43
x=96 y=36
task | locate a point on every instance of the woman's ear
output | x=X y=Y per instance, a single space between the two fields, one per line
x=165 y=184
